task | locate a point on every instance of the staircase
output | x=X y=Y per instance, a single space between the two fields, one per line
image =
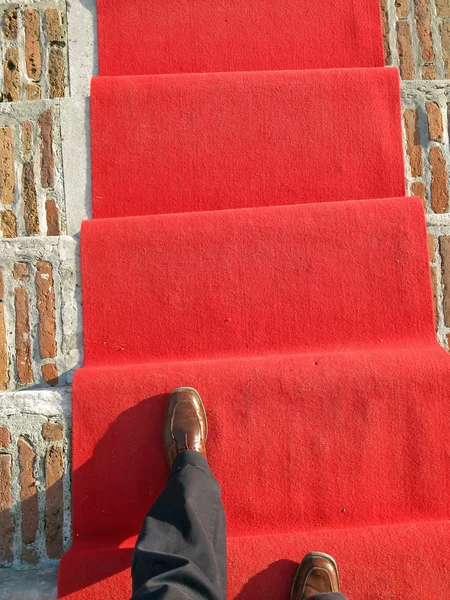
x=250 y=238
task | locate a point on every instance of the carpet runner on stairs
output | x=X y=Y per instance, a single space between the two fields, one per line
x=169 y=144
x=263 y=567
x=316 y=370
x=186 y=36
x=234 y=249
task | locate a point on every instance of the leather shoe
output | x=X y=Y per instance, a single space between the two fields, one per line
x=317 y=574
x=185 y=424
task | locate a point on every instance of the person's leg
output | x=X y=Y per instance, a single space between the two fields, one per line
x=328 y=596
x=181 y=550
x=317 y=578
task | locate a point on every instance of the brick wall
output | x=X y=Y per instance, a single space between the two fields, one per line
x=417 y=37
x=34 y=52
x=43 y=166
x=40 y=319
x=34 y=486
x=31 y=178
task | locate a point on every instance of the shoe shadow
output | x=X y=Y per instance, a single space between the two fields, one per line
x=278 y=576
x=132 y=472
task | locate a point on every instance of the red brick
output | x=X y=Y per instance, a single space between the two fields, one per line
x=20 y=271
x=5 y=438
x=7 y=165
x=10 y=24
x=28 y=492
x=52 y=217
x=46 y=308
x=439 y=180
x=4 y=377
x=8 y=224
x=6 y=516
x=56 y=73
x=423 y=23
x=445 y=39
x=444 y=248
x=30 y=204
x=33 y=91
x=402 y=8
x=11 y=75
x=443 y=8
x=33 y=59
x=55 y=25
x=435 y=127
x=429 y=72
x=54 y=509
x=405 y=52
x=27 y=138
x=418 y=189
x=52 y=432
x=29 y=555
x=23 y=336
x=47 y=159
x=434 y=284
x=50 y=374
x=432 y=247
x=413 y=144
x=385 y=23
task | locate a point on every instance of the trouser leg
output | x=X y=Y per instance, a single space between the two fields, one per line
x=181 y=550
x=328 y=596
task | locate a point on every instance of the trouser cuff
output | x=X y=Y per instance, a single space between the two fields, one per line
x=193 y=458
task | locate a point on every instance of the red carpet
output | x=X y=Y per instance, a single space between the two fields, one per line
x=393 y=562
x=367 y=412
x=168 y=144
x=186 y=36
x=255 y=281
x=251 y=265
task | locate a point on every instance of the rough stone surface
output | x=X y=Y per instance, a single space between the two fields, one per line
x=6 y=515
x=10 y=25
x=11 y=75
x=31 y=30
x=75 y=116
x=7 y=184
x=56 y=72
x=54 y=519
x=28 y=492
x=405 y=50
x=32 y=155
x=435 y=127
x=423 y=24
x=36 y=426
x=23 y=336
x=28 y=585
x=47 y=160
x=54 y=20
x=413 y=143
x=31 y=214
x=52 y=432
x=33 y=58
x=439 y=181
x=21 y=271
x=46 y=308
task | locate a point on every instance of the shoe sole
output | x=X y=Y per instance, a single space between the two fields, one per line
x=312 y=555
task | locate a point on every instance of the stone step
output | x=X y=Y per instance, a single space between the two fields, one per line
x=35 y=584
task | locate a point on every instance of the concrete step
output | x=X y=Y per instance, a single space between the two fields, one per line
x=35 y=584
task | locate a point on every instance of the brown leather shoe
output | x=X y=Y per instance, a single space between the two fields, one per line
x=185 y=423
x=317 y=574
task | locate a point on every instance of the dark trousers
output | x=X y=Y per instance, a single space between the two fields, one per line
x=181 y=551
